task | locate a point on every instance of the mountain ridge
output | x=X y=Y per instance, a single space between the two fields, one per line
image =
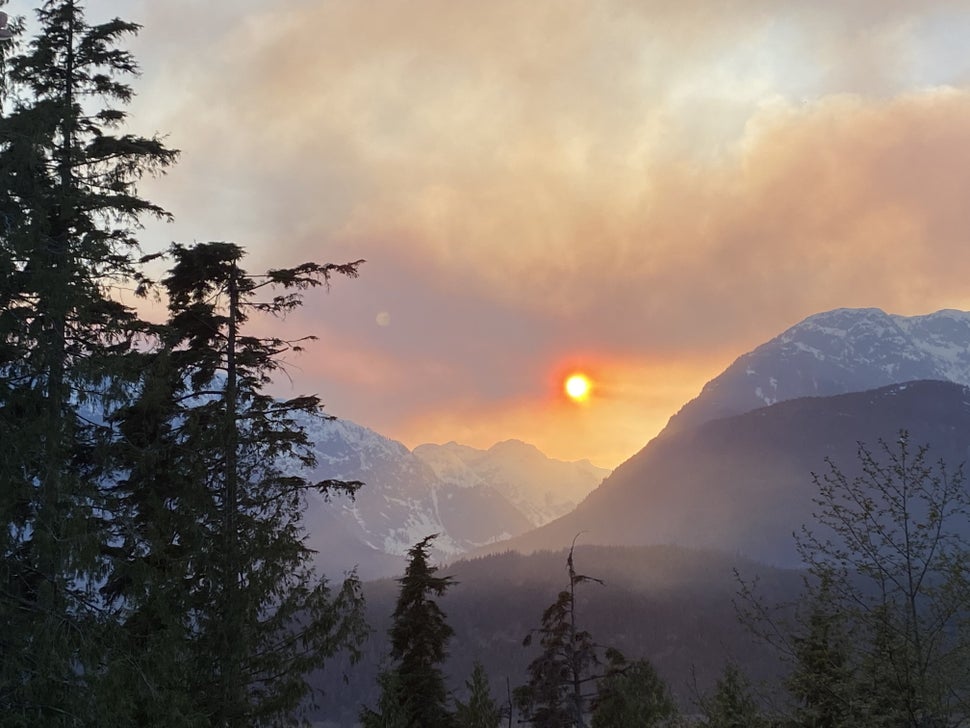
x=743 y=484
x=516 y=468
x=836 y=352
x=405 y=498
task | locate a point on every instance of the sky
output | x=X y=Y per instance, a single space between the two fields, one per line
x=642 y=190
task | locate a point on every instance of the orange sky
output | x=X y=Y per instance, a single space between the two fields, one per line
x=644 y=188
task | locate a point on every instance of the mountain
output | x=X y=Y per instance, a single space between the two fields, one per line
x=743 y=484
x=539 y=487
x=724 y=486
x=840 y=351
x=401 y=502
x=407 y=497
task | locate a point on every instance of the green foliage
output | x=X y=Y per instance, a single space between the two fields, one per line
x=556 y=694
x=419 y=637
x=480 y=711
x=731 y=705
x=889 y=559
x=884 y=641
x=632 y=694
x=391 y=711
x=821 y=681
x=546 y=698
x=213 y=561
x=153 y=569
x=68 y=209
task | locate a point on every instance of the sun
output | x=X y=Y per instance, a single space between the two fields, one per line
x=577 y=387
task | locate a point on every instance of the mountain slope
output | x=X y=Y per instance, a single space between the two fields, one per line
x=743 y=484
x=540 y=487
x=840 y=351
x=739 y=478
x=469 y=497
x=401 y=502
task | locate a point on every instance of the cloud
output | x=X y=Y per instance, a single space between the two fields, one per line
x=640 y=183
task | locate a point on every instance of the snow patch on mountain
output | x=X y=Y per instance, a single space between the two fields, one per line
x=403 y=500
x=836 y=352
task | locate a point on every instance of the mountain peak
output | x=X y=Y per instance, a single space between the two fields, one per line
x=834 y=352
x=516 y=448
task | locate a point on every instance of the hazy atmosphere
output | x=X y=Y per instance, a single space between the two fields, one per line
x=645 y=327
x=639 y=190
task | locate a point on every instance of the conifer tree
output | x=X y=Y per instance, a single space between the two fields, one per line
x=68 y=212
x=558 y=691
x=480 y=711
x=214 y=566
x=419 y=637
x=157 y=575
x=631 y=694
x=822 y=679
x=391 y=712
x=732 y=705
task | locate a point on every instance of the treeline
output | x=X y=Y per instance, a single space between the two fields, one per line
x=153 y=570
x=878 y=635
x=671 y=604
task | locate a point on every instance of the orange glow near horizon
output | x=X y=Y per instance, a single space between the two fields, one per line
x=633 y=401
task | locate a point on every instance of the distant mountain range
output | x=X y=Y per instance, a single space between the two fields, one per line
x=723 y=487
x=540 y=488
x=470 y=497
x=732 y=470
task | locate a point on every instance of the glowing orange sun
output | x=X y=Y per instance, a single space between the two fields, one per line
x=577 y=387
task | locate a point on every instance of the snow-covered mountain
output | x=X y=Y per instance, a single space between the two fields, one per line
x=407 y=497
x=840 y=351
x=539 y=487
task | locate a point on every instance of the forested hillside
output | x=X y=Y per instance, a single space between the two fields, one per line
x=669 y=605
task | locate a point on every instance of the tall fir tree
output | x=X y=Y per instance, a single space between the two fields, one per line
x=68 y=213
x=419 y=638
x=215 y=568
